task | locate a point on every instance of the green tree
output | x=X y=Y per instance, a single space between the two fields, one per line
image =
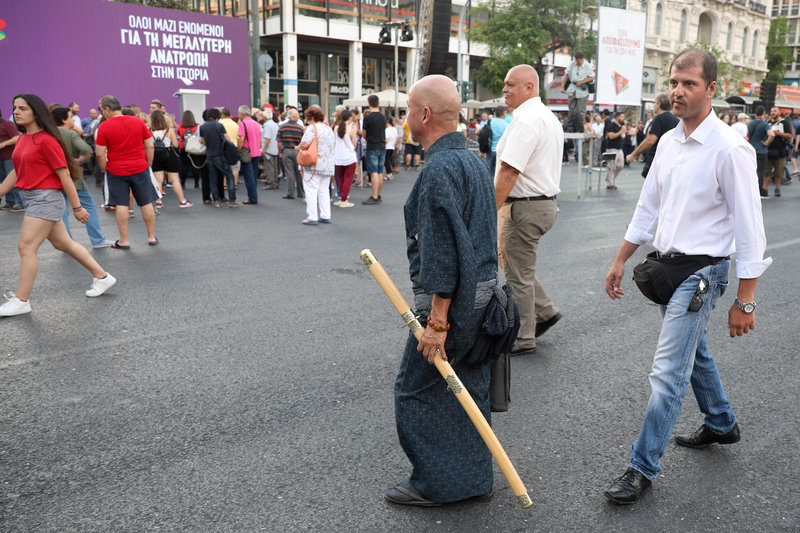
x=525 y=31
x=183 y=5
x=778 y=54
x=729 y=76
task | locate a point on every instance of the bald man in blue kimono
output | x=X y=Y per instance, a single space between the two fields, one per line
x=451 y=235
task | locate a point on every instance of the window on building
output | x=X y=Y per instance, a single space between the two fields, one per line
x=684 y=23
x=308 y=67
x=646 y=15
x=790 y=35
x=745 y=38
x=729 y=41
x=311 y=8
x=376 y=12
x=659 y=17
x=755 y=44
x=369 y=72
x=270 y=8
x=649 y=88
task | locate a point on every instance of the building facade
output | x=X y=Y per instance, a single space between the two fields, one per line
x=325 y=51
x=737 y=27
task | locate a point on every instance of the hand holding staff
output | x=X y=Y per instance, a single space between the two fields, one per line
x=453 y=383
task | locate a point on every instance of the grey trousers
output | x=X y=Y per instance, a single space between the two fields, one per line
x=580 y=103
x=270 y=163
x=292 y=172
x=520 y=226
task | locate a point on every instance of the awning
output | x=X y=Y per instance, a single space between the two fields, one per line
x=787 y=104
x=746 y=100
x=716 y=102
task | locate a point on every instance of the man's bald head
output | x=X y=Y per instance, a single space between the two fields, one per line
x=521 y=84
x=433 y=108
x=439 y=93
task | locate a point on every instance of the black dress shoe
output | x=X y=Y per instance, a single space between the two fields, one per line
x=704 y=437
x=542 y=327
x=518 y=350
x=628 y=488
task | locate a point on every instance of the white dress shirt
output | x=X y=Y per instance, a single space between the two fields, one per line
x=533 y=144
x=703 y=192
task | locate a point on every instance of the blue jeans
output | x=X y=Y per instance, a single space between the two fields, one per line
x=682 y=357
x=12 y=197
x=250 y=176
x=218 y=165
x=96 y=235
x=491 y=162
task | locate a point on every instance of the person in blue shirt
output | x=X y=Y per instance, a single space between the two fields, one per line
x=498 y=125
x=760 y=135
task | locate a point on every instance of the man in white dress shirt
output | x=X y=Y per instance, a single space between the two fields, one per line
x=701 y=191
x=526 y=183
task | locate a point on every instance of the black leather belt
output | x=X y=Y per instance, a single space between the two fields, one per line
x=529 y=198
x=679 y=254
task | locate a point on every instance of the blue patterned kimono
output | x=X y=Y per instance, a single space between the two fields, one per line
x=451 y=235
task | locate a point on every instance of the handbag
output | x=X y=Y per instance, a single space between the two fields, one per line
x=658 y=277
x=308 y=156
x=244 y=152
x=194 y=146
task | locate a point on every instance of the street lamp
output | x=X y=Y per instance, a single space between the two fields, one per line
x=385 y=37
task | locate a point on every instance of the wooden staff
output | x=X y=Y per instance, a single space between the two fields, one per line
x=453 y=383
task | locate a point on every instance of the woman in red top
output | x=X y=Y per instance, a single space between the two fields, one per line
x=43 y=167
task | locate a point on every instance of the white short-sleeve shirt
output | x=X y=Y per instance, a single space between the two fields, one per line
x=533 y=144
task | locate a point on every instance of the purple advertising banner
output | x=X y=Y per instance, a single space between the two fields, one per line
x=81 y=50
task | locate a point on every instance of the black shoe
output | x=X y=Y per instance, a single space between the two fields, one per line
x=777 y=193
x=288 y=197
x=764 y=193
x=628 y=488
x=518 y=350
x=371 y=201
x=611 y=187
x=542 y=327
x=704 y=437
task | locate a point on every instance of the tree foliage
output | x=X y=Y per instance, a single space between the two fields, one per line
x=778 y=54
x=525 y=31
x=183 y=5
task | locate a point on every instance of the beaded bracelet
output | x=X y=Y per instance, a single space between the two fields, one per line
x=77 y=208
x=437 y=327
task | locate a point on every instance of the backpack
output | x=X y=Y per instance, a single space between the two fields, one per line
x=485 y=138
x=159 y=143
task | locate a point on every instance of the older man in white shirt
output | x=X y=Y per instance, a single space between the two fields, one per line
x=701 y=192
x=740 y=126
x=527 y=180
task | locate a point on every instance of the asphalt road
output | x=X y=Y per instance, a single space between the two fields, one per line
x=239 y=378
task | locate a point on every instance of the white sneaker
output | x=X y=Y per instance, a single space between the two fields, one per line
x=186 y=203
x=337 y=203
x=14 y=306
x=99 y=286
x=105 y=244
x=346 y=203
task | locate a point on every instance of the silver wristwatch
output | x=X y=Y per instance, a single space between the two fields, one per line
x=747 y=307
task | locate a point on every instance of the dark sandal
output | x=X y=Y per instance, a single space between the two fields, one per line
x=153 y=243
x=119 y=246
x=404 y=494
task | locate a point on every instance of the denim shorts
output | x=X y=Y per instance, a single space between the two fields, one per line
x=47 y=204
x=375 y=160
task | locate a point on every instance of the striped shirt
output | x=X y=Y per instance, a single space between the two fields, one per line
x=290 y=134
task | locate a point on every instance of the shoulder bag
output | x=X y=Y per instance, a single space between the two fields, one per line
x=308 y=157
x=193 y=144
x=244 y=151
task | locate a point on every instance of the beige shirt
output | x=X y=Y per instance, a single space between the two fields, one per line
x=533 y=144
x=231 y=128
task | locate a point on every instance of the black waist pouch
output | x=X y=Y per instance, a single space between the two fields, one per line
x=659 y=277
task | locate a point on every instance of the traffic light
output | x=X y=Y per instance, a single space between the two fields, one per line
x=466 y=90
x=406 y=34
x=384 y=36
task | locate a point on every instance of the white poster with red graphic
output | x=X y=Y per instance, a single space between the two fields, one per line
x=620 y=59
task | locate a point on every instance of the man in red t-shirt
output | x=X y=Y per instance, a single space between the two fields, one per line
x=8 y=138
x=124 y=147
